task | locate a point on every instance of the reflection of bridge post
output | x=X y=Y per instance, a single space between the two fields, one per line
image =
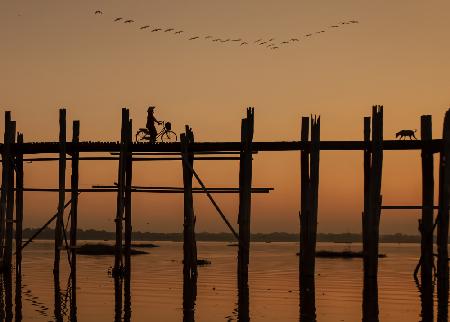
x=18 y=296
x=443 y=222
x=307 y=299
x=370 y=299
x=57 y=297
x=117 y=298
x=243 y=302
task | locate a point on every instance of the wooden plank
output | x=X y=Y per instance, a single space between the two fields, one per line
x=52 y=147
x=427 y=220
x=19 y=207
x=62 y=183
x=443 y=221
x=31 y=160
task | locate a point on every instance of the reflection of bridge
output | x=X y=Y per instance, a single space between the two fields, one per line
x=15 y=152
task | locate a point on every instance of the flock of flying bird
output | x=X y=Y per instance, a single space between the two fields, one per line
x=270 y=43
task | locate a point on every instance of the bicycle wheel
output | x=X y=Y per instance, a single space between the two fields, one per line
x=169 y=136
x=141 y=136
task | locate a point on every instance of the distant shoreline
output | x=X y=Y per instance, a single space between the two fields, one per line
x=92 y=234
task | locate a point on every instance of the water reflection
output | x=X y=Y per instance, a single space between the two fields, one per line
x=442 y=295
x=18 y=297
x=370 y=299
x=307 y=299
x=189 y=294
x=426 y=292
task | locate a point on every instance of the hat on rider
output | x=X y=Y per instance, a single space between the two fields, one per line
x=150 y=108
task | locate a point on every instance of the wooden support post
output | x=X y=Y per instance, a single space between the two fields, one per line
x=128 y=184
x=9 y=196
x=309 y=198
x=74 y=217
x=19 y=207
x=443 y=221
x=426 y=223
x=367 y=158
x=118 y=267
x=62 y=186
x=372 y=196
x=245 y=198
x=189 y=241
x=5 y=153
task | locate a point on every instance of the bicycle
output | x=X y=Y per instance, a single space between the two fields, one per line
x=165 y=135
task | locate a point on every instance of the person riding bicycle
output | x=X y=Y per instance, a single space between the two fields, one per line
x=151 y=120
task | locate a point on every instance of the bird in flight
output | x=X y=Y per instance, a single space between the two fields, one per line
x=118 y=19
x=193 y=38
x=98 y=12
x=271 y=39
x=128 y=21
x=285 y=42
x=239 y=39
x=156 y=29
x=258 y=40
x=208 y=37
x=270 y=45
x=263 y=43
x=274 y=47
x=308 y=35
x=244 y=43
x=334 y=26
x=217 y=39
x=145 y=27
x=178 y=32
x=168 y=29
x=354 y=21
x=295 y=39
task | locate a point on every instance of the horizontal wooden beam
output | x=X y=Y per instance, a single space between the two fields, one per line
x=216 y=147
x=100 y=158
x=165 y=190
x=407 y=207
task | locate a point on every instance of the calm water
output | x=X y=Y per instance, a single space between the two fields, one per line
x=157 y=285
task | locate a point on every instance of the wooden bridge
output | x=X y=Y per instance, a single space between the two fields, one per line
x=15 y=151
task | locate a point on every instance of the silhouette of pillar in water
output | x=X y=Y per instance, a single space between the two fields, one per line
x=426 y=222
x=74 y=218
x=309 y=197
x=62 y=186
x=443 y=221
x=245 y=196
x=3 y=199
x=19 y=205
x=128 y=227
x=189 y=240
x=373 y=161
x=118 y=265
x=8 y=164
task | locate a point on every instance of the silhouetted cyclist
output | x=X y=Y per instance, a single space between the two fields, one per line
x=151 y=120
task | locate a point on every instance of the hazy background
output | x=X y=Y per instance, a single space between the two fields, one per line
x=59 y=54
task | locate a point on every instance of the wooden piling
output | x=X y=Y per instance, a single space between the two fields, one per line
x=62 y=186
x=121 y=193
x=5 y=153
x=19 y=206
x=9 y=196
x=309 y=178
x=245 y=185
x=426 y=222
x=189 y=241
x=128 y=184
x=372 y=193
x=443 y=220
x=74 y=218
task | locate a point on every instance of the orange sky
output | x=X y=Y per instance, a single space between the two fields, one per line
x=59 y=54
